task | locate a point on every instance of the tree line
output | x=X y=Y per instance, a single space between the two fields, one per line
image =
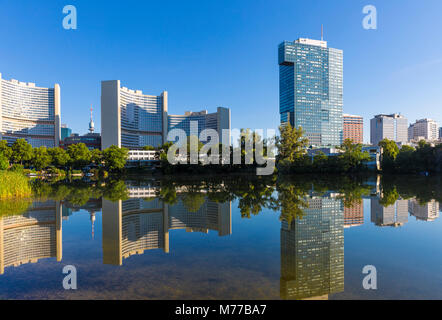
x=76 y=157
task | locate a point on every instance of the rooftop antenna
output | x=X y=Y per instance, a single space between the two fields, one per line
x=322 y=32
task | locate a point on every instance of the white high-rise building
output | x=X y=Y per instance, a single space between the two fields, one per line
x=391 y=127
x=424 y=129
x=29 y=112
x=131 y=119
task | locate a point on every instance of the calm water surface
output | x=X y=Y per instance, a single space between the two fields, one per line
x=245 y=238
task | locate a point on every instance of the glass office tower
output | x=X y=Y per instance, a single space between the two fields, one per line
x=311 y=89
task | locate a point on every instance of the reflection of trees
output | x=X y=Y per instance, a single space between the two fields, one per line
x=290 y=201
x=253 y=193
x=14 y=207
x=193 y=201
x=424 y=189
x=115 y=190
x=253 y=197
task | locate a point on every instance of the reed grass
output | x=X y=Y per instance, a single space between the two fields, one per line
x=14 y=185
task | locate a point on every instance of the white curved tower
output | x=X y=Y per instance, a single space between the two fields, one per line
x=29 y=112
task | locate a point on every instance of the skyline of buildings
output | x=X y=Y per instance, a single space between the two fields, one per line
x=133 y=120
x=311 y=89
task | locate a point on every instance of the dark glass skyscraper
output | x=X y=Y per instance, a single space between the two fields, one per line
x=311 y=89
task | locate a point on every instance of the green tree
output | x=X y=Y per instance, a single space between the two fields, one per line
x=390 y=150
x=59 y=157
x=41 y=158
x=291 y=143
x=115 y=158
x=97 y=156
x=21 y=151
x=405 y=159
x=4 y=163
x=80 y=155
x=353 y=157
x=5 y=149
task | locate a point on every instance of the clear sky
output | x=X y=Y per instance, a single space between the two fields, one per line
x=224 y=53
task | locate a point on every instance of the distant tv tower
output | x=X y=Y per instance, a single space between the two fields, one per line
x=92 y=217
x=91 y=124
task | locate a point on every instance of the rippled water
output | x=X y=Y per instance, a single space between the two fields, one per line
x=241 y=239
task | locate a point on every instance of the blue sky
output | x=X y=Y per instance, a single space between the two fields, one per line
x=224 y=53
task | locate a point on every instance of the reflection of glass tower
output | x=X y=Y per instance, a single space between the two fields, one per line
x=135 y=225
x=427 y=212
x=312 y=251
x=311 y=89
x=395 y=215
x=34 y=235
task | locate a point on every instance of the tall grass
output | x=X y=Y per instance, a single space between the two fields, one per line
x=14 y=185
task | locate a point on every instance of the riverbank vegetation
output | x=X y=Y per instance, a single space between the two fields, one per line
x=60 y=162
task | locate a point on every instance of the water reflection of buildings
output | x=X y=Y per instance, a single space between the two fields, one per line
x=426 y=212
x=394 y=215
x=135 y=225
x=312 y=251
x=354 y=215
x=34 y=235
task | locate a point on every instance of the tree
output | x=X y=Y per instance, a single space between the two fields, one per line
x=390 y=150
x=96 y=156
x=291 y=144
x=115 y=158
x=41 y=158
x=4 y=163
x=21 y=151
x=59 y=157
x=352 y=157
x=79 y=154
x=405 y=159
x=5 y=149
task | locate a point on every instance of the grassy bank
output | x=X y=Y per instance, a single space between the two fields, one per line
x=14 y=185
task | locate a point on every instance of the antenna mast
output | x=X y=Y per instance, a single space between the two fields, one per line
x=322 y=32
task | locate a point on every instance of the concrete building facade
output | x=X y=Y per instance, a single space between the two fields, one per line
x=131 y=119
x=29 y=112
x=423 y=129
x=393 y=127
x=202 y=120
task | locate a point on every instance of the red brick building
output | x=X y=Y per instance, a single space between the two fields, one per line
x=354 y=128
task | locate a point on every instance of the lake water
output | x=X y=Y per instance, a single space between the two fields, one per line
x=243 y=238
